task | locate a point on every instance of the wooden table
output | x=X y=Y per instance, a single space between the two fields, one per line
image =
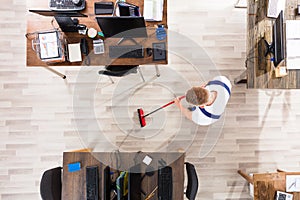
x=73 y=184
x=260 y=72
x=37 y=23
x=266 y=184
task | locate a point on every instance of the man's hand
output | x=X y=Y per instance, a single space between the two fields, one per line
x=185 y=111
x=177 y=102
x=203 y=85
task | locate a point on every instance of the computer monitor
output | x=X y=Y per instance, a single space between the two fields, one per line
x=66 y=23
x=134 y=182
x=107 y=183
x=277 y=46
x=127 y=9
x=123 y=27
x=51 y=13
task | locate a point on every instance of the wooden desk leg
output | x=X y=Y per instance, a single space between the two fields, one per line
x=157 y=71
x=241 y=78
x=246 y=176
x=56 y=72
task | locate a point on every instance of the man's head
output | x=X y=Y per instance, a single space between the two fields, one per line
x=197 y=96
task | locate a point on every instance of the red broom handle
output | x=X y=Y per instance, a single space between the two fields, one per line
x=163 y=106
x=172 y=102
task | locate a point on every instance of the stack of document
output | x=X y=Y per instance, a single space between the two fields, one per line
x=153 y=10
x=293 y=44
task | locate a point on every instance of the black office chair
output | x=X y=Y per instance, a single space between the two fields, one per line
x=121 y=70
x=192 y=182
x=50 y=186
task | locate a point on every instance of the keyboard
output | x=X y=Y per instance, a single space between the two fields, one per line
x=65 y=5
x=274 y=7
x=126 y=51
x=92 y=179
x=165 y=183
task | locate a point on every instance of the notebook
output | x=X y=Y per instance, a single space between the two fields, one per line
x=74 y=52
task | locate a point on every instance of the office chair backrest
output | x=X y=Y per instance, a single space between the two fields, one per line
x=192 y=184
x=119 y=70
x=50 y=186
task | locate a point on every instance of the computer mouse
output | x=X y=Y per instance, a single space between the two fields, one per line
x=149 y=51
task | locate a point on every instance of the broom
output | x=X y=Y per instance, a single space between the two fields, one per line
x=142 y=117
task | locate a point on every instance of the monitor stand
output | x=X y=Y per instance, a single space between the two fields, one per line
x=124 y=39
x=262 y=50
x=269 y=48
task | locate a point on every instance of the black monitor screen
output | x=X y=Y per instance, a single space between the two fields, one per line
x=134 y=182
x=50 y=13
x=107 y=183
x=122 y=27
x=66 y=23
x=127 y=9
x=278 y=39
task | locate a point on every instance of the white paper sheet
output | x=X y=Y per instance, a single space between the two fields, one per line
x=292 y=183
x=153 y=10
x=74 y=52
x=292 y=29
x=274 y=8
x=293 y=44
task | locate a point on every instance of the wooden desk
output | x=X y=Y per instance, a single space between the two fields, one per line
x=266 y=184
x=37 y=22
x=73 y=184
x=259 y=71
